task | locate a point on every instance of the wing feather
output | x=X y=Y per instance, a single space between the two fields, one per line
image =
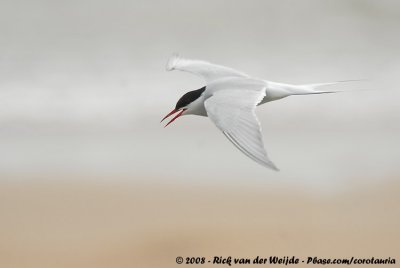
x=208 y=71
x=233 y=112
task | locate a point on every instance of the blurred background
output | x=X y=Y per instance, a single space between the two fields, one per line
x=90 y=178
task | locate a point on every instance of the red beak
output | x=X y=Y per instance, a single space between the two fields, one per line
x=176 y=116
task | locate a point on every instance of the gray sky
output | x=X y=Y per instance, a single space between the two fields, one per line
x=83 y=87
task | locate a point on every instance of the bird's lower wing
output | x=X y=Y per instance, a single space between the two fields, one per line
x=233 y=112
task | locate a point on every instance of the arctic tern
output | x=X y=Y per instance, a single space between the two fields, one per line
x=230 y=98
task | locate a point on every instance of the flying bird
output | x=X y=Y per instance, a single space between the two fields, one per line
x=229 y=99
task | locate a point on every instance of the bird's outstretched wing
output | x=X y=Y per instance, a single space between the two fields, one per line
x=233 y=112
x=206 y=70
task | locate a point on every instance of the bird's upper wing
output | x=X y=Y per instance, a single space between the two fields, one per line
x=233 y=111
x=206 y=70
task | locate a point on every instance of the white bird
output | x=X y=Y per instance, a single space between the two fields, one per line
x=230 y=98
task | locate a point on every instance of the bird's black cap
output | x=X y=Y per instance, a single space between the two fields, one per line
x=189 y=97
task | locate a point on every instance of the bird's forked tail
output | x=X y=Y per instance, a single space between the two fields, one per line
x=314 y=88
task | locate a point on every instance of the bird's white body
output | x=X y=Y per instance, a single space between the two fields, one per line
x=272 y=91
x=230 y=98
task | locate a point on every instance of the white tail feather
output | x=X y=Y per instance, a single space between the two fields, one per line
x=312 y=88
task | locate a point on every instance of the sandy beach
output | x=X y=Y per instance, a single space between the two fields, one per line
x=104 y=224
